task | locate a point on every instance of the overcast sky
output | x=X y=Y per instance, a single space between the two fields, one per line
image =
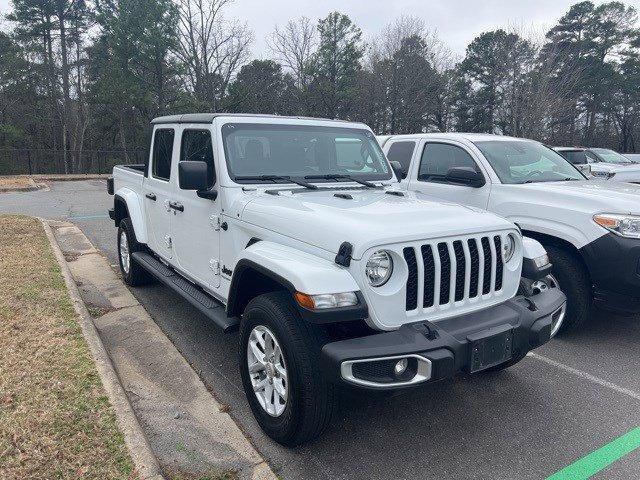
x=457 y=22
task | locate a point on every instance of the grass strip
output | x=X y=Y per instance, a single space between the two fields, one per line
x=55 y=418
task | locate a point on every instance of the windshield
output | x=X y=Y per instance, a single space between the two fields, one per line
x=299 y=151
x=609 y=156
x=516 y=161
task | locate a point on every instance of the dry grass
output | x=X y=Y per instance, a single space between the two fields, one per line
x=55 y=420
x=15 y=182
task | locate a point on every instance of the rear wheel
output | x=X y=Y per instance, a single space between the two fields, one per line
x=573 y=278
x=279 y=353
x=132 y=273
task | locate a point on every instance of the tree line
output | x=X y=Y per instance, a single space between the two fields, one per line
x=79 y=76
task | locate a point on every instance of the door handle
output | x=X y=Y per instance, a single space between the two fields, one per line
x=151 y=196
x=176 y=206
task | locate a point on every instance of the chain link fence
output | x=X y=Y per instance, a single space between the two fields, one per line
x=35 y=161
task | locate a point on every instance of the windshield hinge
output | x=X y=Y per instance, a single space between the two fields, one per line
x=215 y=221
x=214 y=265
x=344 y=254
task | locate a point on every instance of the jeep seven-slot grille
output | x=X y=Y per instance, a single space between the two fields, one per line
x=445 y=266
x=486 y=251
x=445 y=272
x=412 y=281
x=429 y=275
x=498 y=243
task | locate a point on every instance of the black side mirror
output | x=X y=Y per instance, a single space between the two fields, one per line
x=193 y=176
x=465 y=176
x=398 y=170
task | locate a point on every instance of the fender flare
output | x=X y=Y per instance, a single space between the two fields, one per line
x=532 y=248
x=131 y=201
x=294 y=270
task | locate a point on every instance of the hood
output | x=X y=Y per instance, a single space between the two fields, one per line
x=370 y=218
x=591 y=196
x=615 y=168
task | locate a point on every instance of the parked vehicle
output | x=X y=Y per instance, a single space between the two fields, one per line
x=286 y=229
x=634 y=157
x=603 y=163
x=591 y=229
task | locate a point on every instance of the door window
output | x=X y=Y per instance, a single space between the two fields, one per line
x=438 y=158
x=577 y=157
x=196 y=146
x=402 y=152
x=162 y=152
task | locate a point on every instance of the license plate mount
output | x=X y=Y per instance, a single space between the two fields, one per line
x=490 y=348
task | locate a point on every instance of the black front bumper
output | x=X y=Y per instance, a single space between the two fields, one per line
x=449 y=348
x=614 y=265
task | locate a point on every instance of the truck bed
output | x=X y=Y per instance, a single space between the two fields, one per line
x=130 y=176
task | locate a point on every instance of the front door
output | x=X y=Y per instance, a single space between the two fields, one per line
x=437 y=157
x=157 y=192
x=195 y=228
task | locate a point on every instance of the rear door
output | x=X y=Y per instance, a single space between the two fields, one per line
x=195 y=229
x=157 y=191
x=436 y=158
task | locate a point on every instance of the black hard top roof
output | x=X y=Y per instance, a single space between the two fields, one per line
x=209 y=117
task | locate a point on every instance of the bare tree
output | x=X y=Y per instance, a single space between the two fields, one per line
x=293 y=45
x=211 y=48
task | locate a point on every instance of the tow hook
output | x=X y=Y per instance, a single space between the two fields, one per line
x=428 y=330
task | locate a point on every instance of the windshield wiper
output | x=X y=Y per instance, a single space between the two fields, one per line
x=276 y=178
x=339 y=176
x=549 y=180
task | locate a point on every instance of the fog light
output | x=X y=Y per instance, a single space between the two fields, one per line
x=401 y=366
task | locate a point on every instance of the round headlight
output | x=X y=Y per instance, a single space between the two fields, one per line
x=379 y=268
x=508 y=248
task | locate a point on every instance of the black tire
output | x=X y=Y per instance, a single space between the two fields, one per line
x=574 y=280
x=136 y=275
x=311 y=398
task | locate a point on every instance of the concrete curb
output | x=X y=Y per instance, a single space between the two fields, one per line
x=45 y=177
x=186 y=429
x=37 y=181
x=143 y=458
x=19 y=189
x=27 y=188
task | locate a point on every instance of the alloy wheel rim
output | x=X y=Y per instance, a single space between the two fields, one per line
x=125 y=259
x=267 y=371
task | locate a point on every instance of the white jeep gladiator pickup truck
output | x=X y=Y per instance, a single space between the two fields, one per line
x=590 y=228
x=286 y=229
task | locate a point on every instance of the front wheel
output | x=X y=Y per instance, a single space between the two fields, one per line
x=279 y=352
x=573 y=278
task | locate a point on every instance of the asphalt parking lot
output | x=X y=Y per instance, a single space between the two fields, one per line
x=573 y=396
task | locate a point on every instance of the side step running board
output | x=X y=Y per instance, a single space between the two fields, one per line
x=209 y=306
